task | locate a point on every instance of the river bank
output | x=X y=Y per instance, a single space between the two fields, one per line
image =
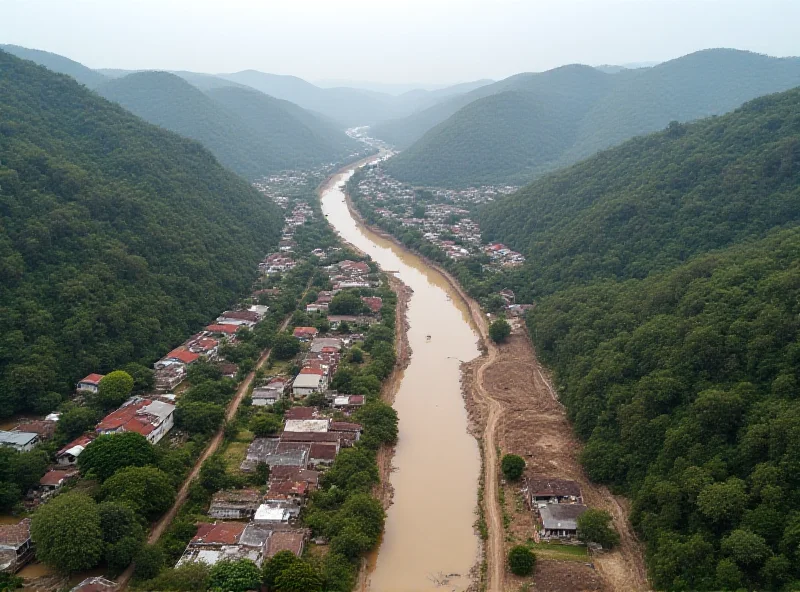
x=509 y=378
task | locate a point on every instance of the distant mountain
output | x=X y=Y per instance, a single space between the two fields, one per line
x=117 y=238
x=597 y=109
x=58 y=63
x=248 y=132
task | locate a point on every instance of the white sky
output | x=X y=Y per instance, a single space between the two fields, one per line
x=425 y=41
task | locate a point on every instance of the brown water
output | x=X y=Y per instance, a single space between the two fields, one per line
x=429 y=533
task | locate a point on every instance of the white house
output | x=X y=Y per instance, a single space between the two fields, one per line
x=22 y=441
x=310 y=380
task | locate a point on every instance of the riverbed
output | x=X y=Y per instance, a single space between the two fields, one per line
x=429 y=537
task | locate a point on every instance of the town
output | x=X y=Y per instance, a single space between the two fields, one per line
x=326 y=317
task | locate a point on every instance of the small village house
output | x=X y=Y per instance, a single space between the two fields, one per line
x=16 y=548
x=68 y=455
x=90 y=384
x=310 y=380
x=21 y=441
x=305 y=333
x=560 y=521
x=235 y=504
x=147 y=417
x=546 y=490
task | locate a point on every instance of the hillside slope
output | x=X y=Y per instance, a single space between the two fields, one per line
x=117 y=238
x=250 y=134
x=623 y=105
x=666 y=274
x=58 y=63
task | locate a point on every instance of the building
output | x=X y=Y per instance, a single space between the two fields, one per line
x=544 y=490
x=273 y=452
x=374 y=303
x=269 y=394
x=180 y=355
x=69 y=454
x=276 y=514
x=322 y=453
x=21 y=441
x=227 y=541
x=223 y=329
x=16 y=548
x=45 y=428
x=305 y=333
x=235 y=504
x=55 y=479
x=348 y=402
x=307 y=425
x=152 y=419
x=90 y=384
x=170 y=376
x=96 y=584
x=246 y=318
x=301 y=413
x=560 y=521
x=310 y=380
x=287 y=540
x=295 y=474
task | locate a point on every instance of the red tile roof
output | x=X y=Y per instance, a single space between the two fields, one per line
x=54 y=476
x=223 y=328
x=241 y=315
x=219 y=533
x=92 y=379
x=79 y=441
x=287 y=487
x=304 y=331
x=15 y=534
x=308 y=370
x=183 y=355
x=286 y=540
x=374 y=303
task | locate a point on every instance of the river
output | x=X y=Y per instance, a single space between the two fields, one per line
x=429 y=534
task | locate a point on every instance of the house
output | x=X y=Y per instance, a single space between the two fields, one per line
x=285 y=490
x=235 y=504
x=89 y=384
x=374 y=303
x=152 y=419
x=224 y=329
x=273 y=452
x=323 y=453
x=260 y=309
x=16 y=548
x=301 y=413
x=305 y=333
x=316 y=307
x=287 y=540
x=246 y=318
x=560 y=521
x=545 y=490
x=69 y=454
x=44 y=428
x=310 y=380
x=21 y=441
x=168 y=377
x=96 y=584
x=281 y=473
x=54 y=479
x=203 y=345
x=276 y=514
x=311 y=437
x=348 y=402
x=227 y=541
x=180 y=355
x=347 y=427
x=307 y=425
x=269 y=394
x=323 y=343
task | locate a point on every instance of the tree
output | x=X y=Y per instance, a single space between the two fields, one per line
x=346 y=303
x=298 y=577
x=351 y=542
x=499 y=330
x=235 y=576
x=74 y=422
x=594 y=526
x=213 y=473
x=114 y=389
x=190 y=577
x=356 y=355
x=145 y=489
x=149 y=561
x=512 y=466
x=57 y=526
x=111 y=452
x=197 y=417
x=144 y=378
x=745 y=548
x=119 y=521
x=521 y=560
x=265 y=424
x=275 y=566
x=286 y=346
x=723 y=502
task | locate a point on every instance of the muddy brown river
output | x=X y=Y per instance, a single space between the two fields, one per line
x=429 y=542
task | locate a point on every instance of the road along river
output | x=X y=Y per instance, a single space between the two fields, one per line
x=429 y=536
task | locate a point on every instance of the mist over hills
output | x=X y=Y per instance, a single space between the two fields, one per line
x=58 y=63
x=249 y=132
x=116 y=236
x=623 y=104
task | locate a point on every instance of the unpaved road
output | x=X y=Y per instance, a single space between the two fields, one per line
x=241 y=392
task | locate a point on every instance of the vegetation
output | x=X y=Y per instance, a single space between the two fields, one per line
x=666 y=286
x=19 y=471
x=147 y=490
x=521 y=127
x=109 y=453
x=114 y=389
x=513 y=466
x=521 y=560
x=235 y=576
x=594 y=526
x=499 y=330
x=115 y=240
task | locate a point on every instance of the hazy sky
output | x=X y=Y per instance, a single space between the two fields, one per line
x=424 y=41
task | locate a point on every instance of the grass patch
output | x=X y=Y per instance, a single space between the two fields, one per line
x=559 y=551
x=233 y=455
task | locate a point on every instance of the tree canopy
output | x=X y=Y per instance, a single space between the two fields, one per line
x=109 y=453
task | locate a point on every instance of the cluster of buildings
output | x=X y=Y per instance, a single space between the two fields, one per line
x=440 y=215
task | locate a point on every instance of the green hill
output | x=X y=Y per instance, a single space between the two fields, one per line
x=596 y=110
x=666 y=275
x=248 y=132
x=117 y=238
x=58 y=63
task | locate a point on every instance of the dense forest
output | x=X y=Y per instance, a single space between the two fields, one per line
x=58 y=63
x=117 y=238
x=249 y=132
x=598 y=110
x=666 y=275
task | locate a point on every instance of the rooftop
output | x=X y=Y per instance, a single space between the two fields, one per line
x=307 y=425
x=545 y=486
x=561 y=516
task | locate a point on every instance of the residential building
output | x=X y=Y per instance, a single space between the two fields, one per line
x=44 y=428
x=227 y=541
x=276 y=514
x=322 y=453
x=168 y=377
x=307 y=425
x=305 y=333
x=89 y=384
x=55 y=479
x=69 y=454
x=310 y=380
x=21 y=441
x=16 y=548
x=287 y=540
x=273 y=452
x=235 y=504
x=348 y=402
x=147 y=417
x=560 y=521
x=545 y=490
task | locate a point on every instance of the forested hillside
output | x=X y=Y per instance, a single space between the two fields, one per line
x=58 y=63
x=117 y=238
x=666 y=274
x=248 y=132
x=598 y=110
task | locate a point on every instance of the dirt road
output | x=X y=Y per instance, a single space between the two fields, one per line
x=241 y=392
